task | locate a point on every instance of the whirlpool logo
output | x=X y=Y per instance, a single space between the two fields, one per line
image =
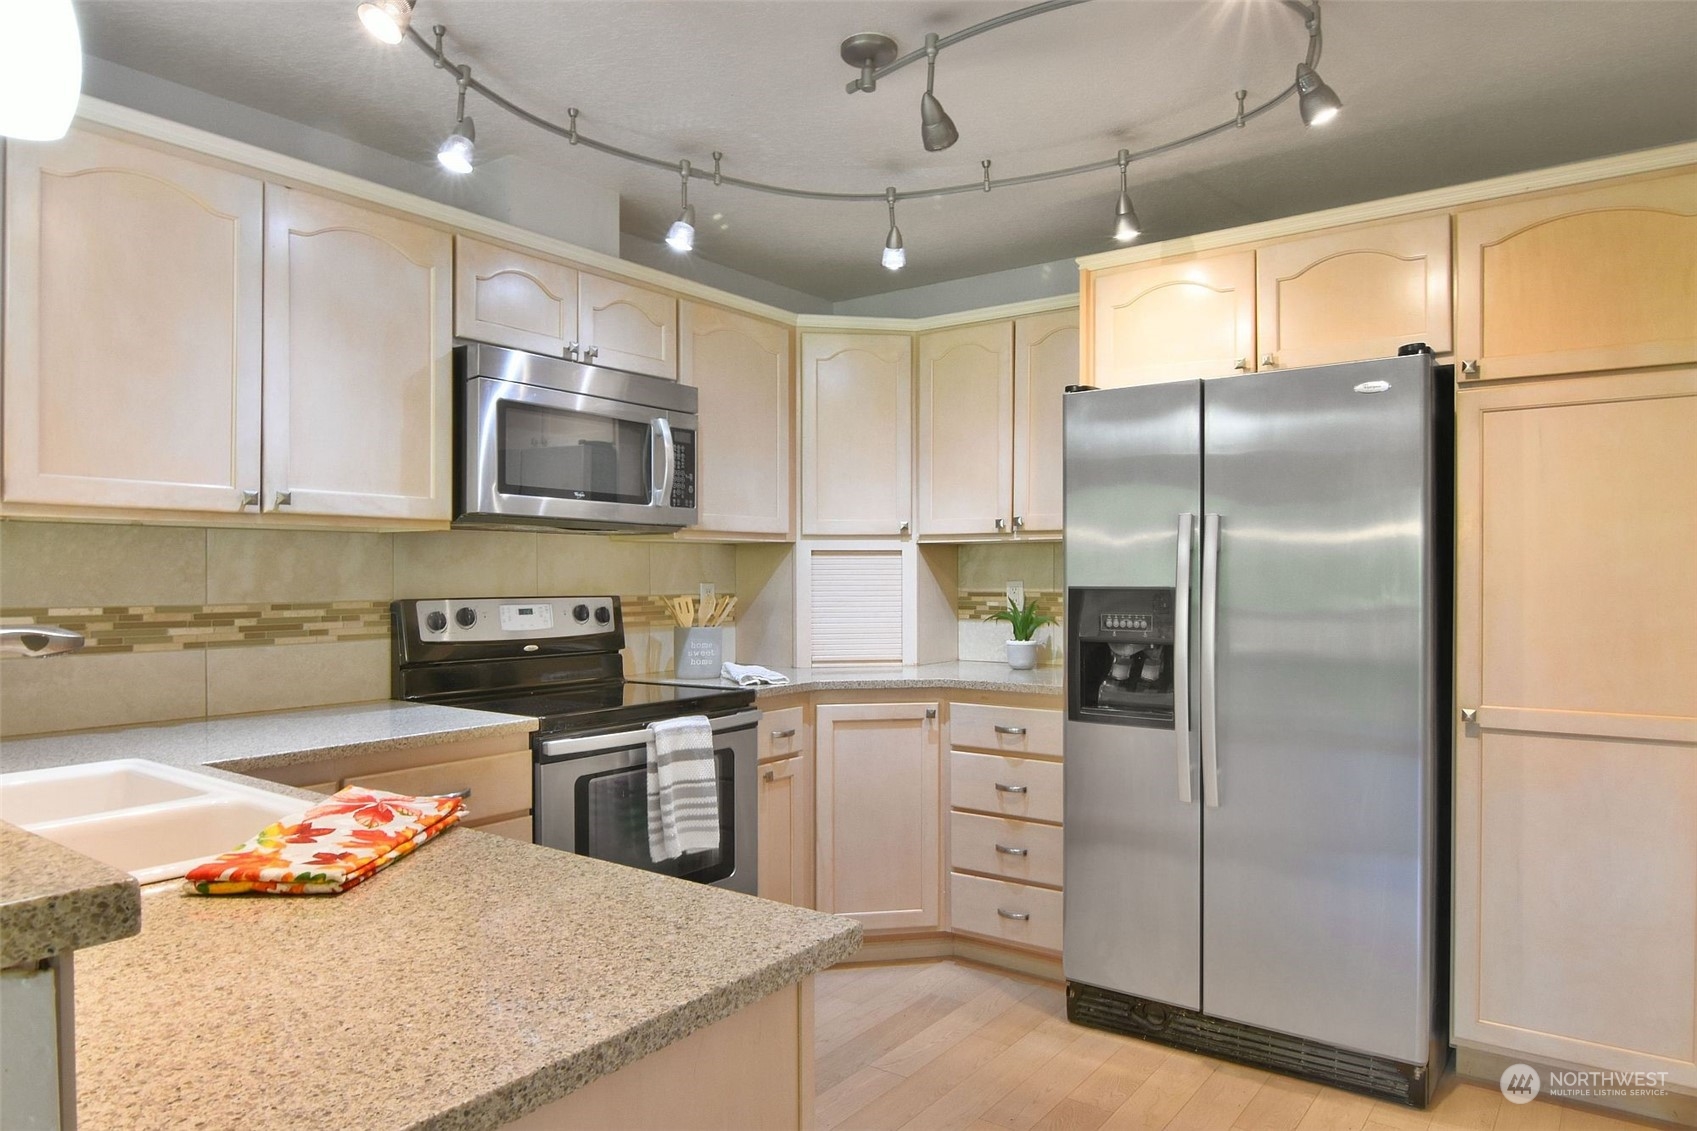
x=1520 y=1083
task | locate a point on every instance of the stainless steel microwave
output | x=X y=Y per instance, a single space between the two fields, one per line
x=546 y=443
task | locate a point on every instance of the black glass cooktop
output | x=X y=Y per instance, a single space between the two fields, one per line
x=597 y=707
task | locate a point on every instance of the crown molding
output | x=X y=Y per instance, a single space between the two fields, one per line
x=1393 y=207
x=841 y=322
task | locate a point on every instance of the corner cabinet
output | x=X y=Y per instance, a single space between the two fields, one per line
x=857 y=434
x=1576 y=751
x=1579 y=281
x=133 y=316
x=358 y=341
x=746 y=455
x=879 y=841
x=1173 y=320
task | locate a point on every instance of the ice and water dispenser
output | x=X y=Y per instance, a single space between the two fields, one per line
x=1120 y=656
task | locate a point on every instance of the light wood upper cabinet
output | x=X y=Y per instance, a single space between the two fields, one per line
x=1354 y=294
x=1045 y=363
x=966 y=430
x=508 y=298
x=1579 y=281
x=745 y=470
x=1576 y=784
x=357 y=361
x=856 y=433
x=624 y=326
x=879 y=770
x=132 y=327
x=1174 y=320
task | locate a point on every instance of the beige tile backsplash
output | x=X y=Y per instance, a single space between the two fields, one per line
x=983 y=573
x=188 y=622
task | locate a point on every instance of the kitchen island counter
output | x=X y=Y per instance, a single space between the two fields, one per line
x=468 y=984
x=54 y=901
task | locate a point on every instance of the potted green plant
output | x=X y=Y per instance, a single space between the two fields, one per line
x=1024 y=620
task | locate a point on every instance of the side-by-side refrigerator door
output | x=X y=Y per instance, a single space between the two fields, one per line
x=1133 y=804
x=1318 y=779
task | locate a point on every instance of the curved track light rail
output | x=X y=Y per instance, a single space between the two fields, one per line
x=1310 y=12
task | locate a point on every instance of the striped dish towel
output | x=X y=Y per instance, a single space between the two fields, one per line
x=683 y=788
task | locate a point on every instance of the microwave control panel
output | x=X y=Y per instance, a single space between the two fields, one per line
x=683 y=468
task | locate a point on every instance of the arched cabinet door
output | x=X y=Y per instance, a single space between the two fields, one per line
x=1579 y=281
x=132 y=327
x=509 y=298
x=857 y=434
x=358 y=341
x=624 y=326
x=1045 y=363
x=965 y=426
x=1174 y=320
x=745 y=452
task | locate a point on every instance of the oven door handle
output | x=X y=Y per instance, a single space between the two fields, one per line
x=632 y=739
x=660 y=460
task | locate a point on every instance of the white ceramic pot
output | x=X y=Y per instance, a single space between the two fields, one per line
x=1022 y=654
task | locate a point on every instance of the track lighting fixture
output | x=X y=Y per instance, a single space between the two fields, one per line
x=936 y=129
x=455 y=153
x=388 y=20
x=681 y=235
x=42 y=78
x=1318 y=102
x=1126 y=227
x=895 y=257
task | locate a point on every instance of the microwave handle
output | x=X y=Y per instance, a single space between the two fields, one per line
x=660 y=456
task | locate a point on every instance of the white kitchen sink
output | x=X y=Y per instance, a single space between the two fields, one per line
x=152 y=821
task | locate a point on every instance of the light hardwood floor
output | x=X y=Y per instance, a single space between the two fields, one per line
x=945 y=1044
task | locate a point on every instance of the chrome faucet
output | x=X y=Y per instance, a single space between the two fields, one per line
x=38 y=640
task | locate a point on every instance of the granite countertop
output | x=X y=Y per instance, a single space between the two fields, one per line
x=53 y=900
x=258 y=742
x=961 y=675
x=469 y=983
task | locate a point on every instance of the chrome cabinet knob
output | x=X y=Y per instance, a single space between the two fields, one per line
x=590 y=353
x=249 y=499
x=1018 y=522
x=571 y=351
x=1001 y=524
x=905 y=527
x=1470 y=369
x=1469 y=715
x=1268 y=362
x=283 y=498
x=1242 y=365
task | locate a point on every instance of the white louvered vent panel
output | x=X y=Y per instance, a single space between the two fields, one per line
x=857 y=606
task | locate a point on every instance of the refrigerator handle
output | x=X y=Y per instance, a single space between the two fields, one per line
x=1210 y=627
x=1181 y=655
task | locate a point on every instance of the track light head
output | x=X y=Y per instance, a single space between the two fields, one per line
x=895 y=256
x=1318 y=102
x=42 y=76
x=681 y=235
x=457 y=150
x=388 y=20
x=1126 y=226
x=936 y=129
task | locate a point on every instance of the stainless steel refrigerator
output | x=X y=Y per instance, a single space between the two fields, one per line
x=1256 y=751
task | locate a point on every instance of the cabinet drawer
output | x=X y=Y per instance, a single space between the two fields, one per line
x=1014 y=850
x=1010 y=730
x=782 y=734
x=499 y=784
x=1010 y=787
x=991 y=907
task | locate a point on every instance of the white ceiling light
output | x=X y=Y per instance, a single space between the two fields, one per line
x=460 y=146
x=1126 y=227
x=1318 y=102
x=40 y=70
x=895 y=256
x=681 y=235
x=388 y=20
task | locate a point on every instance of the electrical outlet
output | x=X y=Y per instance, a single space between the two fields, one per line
x=1016 y=594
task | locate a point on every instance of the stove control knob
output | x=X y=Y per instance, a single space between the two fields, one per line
x=603 y=615
x=467 y=616
x=436 y=622
x=580 y=613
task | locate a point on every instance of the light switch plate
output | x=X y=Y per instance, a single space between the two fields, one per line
x=1016 y=594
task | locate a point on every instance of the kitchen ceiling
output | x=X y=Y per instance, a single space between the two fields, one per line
x=1436 y=92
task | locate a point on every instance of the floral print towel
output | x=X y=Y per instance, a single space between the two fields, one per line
x=333 y=846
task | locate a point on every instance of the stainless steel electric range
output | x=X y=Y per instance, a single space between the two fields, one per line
x=557 y=659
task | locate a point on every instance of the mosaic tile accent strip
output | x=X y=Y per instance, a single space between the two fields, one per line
x=177 y=628
x=976 y=604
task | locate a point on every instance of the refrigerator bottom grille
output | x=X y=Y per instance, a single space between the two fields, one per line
x=1294 y=1056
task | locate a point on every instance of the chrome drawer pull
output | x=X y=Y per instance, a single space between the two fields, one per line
x=1000 y=788
x=1016 y=916
x=1009 y=730
x=1006 y=851
x=777 y=734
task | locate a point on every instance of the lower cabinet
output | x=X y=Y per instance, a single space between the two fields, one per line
x=879 y=768
x=495 y=774
x=786 y=808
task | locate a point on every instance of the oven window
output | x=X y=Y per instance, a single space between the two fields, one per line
x=612 y=823
x=571 y=455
